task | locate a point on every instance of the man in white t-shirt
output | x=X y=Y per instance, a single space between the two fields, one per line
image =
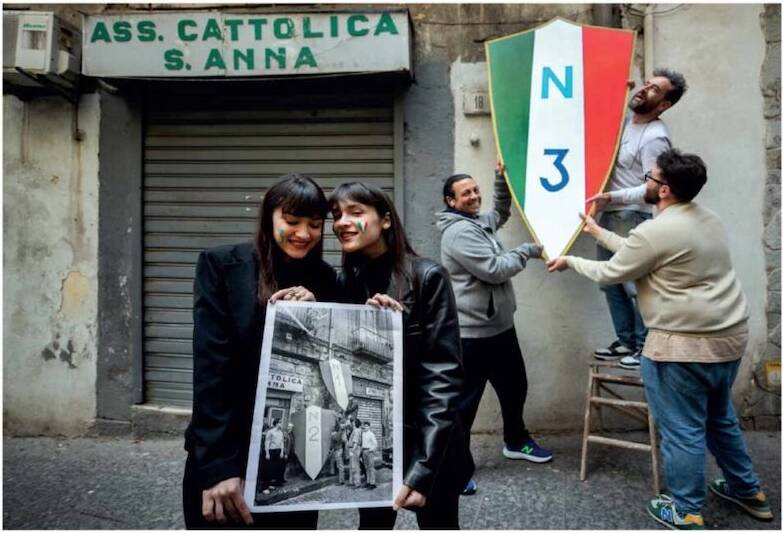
x=369 y=447
x=644 y=138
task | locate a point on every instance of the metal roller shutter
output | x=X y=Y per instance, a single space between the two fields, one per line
x=204 y=174
x=370 y=410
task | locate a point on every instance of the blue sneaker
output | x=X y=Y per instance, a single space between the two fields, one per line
x=529 y=451
x=471 y=488
x=664 y=512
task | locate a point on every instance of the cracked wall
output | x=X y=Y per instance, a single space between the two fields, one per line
x=722 y=118
x=560 y=321
x=761 y=405
x=50 y=203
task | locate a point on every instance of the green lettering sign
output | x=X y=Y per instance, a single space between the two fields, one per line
x=182 y=26
x=386 y=25
x=284 y=28
x=305 y=58
x=334 y=26
x=352 y=20
x=146 y=29
x=233 y=26
x=257 y=25
x=173 y=59
x=248 y=58
x=215 y=60
x=269 y=55
x=212 y=31
x=122 y=33
x=308 y=32
x=100 y=33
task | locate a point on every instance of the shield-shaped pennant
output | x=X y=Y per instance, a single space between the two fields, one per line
x=312 y=429
x=338 y=380
x=558 y=96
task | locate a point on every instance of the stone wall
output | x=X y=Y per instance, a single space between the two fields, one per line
x=761 y=404
x=50 y=230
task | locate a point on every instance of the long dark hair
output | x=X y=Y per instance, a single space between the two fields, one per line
x=397 y=243
x=299 y=196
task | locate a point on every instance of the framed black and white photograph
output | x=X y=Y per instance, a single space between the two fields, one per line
x=327 y=422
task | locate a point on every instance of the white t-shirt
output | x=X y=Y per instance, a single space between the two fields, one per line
x=640 y=146
x=368 y=441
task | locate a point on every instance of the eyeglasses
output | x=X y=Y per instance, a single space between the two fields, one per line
x=648 y=177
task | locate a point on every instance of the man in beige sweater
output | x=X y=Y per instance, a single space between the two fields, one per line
x=694 y=307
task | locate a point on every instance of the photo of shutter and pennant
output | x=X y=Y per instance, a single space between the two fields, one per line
x=558 y=97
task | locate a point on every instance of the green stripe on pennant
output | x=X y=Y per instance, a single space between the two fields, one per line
x=511 y=66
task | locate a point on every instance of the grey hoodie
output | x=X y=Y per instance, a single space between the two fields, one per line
x=480 y=268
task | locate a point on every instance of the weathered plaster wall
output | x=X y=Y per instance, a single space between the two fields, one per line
x=762 y=402
x=444 y=34
x=722 y=119
x=50 y=202
x=561 y=319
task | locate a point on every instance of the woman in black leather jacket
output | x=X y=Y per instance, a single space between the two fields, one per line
x=381 y=269
x=232 y=287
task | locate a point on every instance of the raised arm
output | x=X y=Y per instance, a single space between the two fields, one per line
x=501 y=201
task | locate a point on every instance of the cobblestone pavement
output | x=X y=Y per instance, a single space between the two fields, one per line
x=119 y=483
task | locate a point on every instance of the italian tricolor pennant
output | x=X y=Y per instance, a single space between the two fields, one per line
x=558 y=95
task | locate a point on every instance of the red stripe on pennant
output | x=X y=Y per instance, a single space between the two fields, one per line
x=607 y=65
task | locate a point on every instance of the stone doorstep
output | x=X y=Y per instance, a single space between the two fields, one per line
x=149 y=420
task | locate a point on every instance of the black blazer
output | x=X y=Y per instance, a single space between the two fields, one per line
x=228 y=325
x=436 y=456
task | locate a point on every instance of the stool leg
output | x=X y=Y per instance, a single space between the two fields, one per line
x=586 y=431
x=599 y=408
x=654 y=452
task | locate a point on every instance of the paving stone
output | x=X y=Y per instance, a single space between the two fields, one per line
x=119 y=483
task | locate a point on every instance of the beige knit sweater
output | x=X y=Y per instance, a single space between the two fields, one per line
x=682 y=267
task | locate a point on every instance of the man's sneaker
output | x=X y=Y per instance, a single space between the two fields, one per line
x=616 y=350
x=529 y=451
x=471 y=488
x=663 y=511
x=631 y=362
x=756 y=506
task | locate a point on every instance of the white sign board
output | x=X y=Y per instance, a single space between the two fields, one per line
x=374 y=393
x=234 y=45
x=285 y=382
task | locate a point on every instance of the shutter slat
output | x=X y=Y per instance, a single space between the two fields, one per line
x=268 y=154
x=241 y=141
x=205 y=173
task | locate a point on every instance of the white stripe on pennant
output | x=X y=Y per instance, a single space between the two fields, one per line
x=556 y=99
x=338 y=379
x=313 y=453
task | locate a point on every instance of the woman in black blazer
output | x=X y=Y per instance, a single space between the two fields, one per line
x=232 y=287
x=378 y=261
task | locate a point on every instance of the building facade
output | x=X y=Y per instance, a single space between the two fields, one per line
x=110 y=194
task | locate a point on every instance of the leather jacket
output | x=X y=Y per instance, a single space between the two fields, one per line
x=436 y=456
x=228 y=324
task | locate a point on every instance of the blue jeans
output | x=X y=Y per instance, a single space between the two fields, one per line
x=691 y=406
x=621 y=298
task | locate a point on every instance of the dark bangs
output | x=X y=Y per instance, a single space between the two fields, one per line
x=358 y=192
x=301 y=197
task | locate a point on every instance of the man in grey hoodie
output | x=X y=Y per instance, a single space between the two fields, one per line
x=481 y=271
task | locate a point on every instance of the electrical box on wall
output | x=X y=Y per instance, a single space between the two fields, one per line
x=40 y=49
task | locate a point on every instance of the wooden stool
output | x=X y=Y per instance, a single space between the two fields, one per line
x=598 y=381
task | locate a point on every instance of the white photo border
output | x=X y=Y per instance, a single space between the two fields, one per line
x=251 y=474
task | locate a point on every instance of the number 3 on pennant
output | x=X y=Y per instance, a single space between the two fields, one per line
x=559 y=154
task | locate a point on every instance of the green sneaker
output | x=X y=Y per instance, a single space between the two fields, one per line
x=663 y=511
x=756 y=506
